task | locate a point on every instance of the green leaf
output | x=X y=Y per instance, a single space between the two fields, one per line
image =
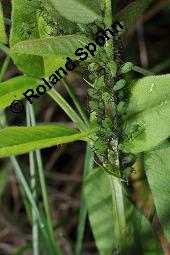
x=14 y=88
x=88 y=166
x=62 y=46
x=19 y=140
x=131 y=12
x=137 y=234
x=22 y=14
x=148 y=114
x=3 y=37
x=101 y=213
x=157 y=167
x=79 y=11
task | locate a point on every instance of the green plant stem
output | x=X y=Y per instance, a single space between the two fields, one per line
x=116 y=185
x=76 y=102
x=43 y=185
x=88 y=165
x=4 y=67
x=142 y=71
x=68 y=109
x=4 y=49
x=35 y=230
x=118 y=202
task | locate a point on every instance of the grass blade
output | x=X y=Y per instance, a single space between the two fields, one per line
x=67 y=108
x=76 y=102
x=50 y=248
x=43 y=185
x=35 y=230
x=88 y=165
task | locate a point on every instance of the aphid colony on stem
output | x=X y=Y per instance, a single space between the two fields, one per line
x=106 y=92
x=41 y=8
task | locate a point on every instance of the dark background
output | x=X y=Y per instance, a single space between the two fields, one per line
x=146 y=44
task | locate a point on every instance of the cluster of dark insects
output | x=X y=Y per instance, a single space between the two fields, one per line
x=107 y=93
x=40 y=9
x=107 y=104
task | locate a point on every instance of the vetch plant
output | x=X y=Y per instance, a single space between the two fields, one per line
x=69 y=66
x=127 y=129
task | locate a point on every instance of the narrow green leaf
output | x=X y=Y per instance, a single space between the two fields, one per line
x=62 y=46
x=4 y=67
x=48 y=244
x=101 y=213
x=76 y=102
x=19 y=140
x=40 y=171
x=34 y=186
x=3 y=37
x=14 y=88
x=79 y=11
x=157 y=167
x=148 y=114
x=131 y=12
x=88 y=166
x=67 y=109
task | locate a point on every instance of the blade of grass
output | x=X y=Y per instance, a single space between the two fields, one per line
x=142 y=71
x=68 y=109
x=51 y=249
x=14 y=161
x=35 y=230
x=118 y=202
x=43 y=185
x=76 y=102
x=88 y=165
x=4 y=67
x=4 y=49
